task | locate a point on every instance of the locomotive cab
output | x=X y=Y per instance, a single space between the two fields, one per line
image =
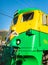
x=25 y=20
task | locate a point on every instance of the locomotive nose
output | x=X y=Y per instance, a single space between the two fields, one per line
x=12 y=34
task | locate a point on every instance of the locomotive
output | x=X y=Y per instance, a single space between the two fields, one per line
x=27 y=40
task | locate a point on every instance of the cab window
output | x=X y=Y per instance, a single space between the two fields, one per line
x=45 y=19
x=15 y=20
x=28 y=16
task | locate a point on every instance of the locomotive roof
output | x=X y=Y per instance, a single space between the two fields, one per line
x=25 y=10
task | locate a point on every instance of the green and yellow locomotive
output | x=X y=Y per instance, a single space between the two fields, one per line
x=28 y=38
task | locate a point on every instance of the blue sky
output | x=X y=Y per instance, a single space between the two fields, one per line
x=9 y=7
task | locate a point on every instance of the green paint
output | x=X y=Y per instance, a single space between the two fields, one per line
x=30 y=51
x=38 y=40
x=32 y=45
x=43 y=41
x=27 y=42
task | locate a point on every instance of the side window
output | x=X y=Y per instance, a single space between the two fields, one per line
x=45 y=19
x=28 y=16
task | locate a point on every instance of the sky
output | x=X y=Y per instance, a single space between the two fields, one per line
x=8 y=8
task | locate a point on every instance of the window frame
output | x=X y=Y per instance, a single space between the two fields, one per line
x=28 y=19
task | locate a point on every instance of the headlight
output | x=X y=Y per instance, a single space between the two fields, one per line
x=18 y=41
